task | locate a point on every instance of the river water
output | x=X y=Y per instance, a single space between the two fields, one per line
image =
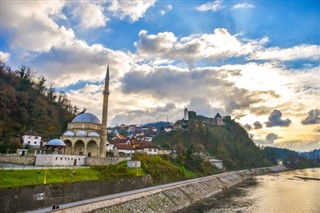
x=287 y=192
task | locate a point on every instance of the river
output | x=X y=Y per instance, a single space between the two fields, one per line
x=287 y=192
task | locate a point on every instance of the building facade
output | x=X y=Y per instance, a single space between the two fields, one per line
x=32 y=139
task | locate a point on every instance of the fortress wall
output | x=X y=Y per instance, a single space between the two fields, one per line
x=174 y=197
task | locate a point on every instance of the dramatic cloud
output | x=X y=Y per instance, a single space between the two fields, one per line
x=202 y=106
x=271 y=137
x=268 y=140
x=311 y=52
x=275 y=119
x=89 y=14
x=155 y=44
x=248 y=127
x=257 y=125
x=210 y=6
x=159 y=113
x=312 y=118
x=134 y=10
x=243 y=6
x=220 y=44
x=4 y=57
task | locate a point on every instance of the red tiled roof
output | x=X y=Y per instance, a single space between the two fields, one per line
x=117 y=140
x=124 y=146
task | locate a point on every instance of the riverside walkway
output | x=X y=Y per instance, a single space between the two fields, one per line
x=122 y=194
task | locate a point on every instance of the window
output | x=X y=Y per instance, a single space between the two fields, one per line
x=36 y=137
x=150 y=150
x=35 y=142
x=28 y=142
x=61 y=158
x=56 y=158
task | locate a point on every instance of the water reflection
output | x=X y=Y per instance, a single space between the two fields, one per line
x=283 y=192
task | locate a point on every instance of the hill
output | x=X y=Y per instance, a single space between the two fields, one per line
x=26 y=103
x=229 y=143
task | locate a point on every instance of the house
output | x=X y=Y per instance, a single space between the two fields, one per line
x=123 y=149
x=163 y=151
x=168 y=128
x=147 y=148
x=32 y=139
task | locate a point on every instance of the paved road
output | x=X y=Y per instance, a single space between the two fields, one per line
x=73 y=204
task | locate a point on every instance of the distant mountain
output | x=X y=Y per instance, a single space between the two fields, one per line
x=26 y=103
x=312 y=155
x=292 y=158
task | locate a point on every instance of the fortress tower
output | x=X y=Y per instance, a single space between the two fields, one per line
x=106 y=93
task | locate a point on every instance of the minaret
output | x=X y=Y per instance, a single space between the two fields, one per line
x=106 y=93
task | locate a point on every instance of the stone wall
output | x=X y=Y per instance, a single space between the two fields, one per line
x=171 y=197
x=30 y=160
x=90 y=161
x=20 y=199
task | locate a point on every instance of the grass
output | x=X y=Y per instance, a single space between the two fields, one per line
x=16 y=178
x=188 y=174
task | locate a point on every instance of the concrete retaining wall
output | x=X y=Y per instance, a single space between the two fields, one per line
x=20 y=199
x=173 y=197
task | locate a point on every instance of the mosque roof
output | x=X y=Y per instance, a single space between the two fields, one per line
x=68 y=133
x=93 y=134
x=86 y=118
x=56 y=142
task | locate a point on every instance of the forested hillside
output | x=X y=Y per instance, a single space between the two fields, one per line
x=26 y=103
x=229 y=143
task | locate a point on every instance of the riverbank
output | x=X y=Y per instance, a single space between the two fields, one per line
x=169 y=197
x=262 y=193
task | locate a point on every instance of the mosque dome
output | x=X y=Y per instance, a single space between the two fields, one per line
x=93 y=134
x=68 y=133
x=81 y=134
x=86 y=118
x=56 y=142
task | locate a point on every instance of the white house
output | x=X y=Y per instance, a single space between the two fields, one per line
x=123 y=149
x=32 y=139
x=148 y=148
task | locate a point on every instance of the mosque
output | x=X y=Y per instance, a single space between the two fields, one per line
x=86 y=134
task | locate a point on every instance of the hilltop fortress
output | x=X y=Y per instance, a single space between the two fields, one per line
x=192 y=116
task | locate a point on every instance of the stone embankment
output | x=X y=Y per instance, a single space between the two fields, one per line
x=172 y=197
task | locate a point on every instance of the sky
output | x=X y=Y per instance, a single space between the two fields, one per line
x=257 y=61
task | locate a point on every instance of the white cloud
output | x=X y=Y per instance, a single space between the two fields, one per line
x=134 y=10
x=166 y=10
x=31 y=25
x=212 y=6
x=217 y=45
x=158 y=44
x=243 y=6
x=89 y=14
x=311 y=52
x=4 y=57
